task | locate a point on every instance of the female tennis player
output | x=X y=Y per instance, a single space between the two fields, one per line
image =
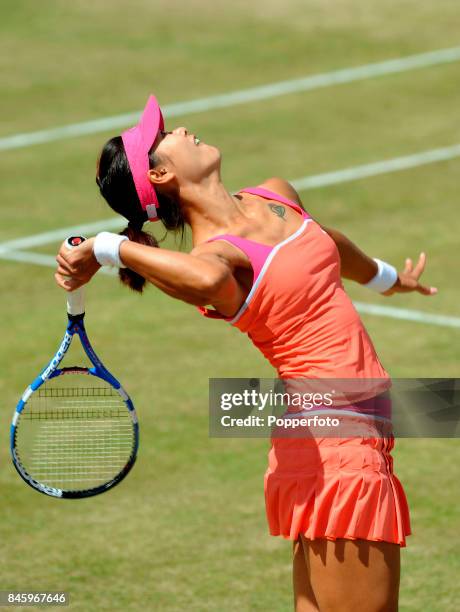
x=262 y=264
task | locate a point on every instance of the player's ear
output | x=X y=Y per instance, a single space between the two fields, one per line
x=160 y=175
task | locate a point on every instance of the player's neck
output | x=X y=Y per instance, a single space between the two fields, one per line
x=210 y=209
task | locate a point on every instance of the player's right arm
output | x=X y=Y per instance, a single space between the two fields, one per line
x=202 y=277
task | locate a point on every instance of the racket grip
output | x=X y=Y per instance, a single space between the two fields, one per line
x=76 y=298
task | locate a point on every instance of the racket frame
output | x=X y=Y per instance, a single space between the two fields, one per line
x=75 y=326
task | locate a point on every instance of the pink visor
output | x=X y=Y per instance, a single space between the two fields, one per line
x=137 y=142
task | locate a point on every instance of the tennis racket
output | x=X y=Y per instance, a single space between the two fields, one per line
x=74 y=432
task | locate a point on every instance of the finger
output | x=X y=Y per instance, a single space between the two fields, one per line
x=62 y=261
x=426 y=290
x=64 y=283
x=420 y=265
x=76 y=278
x=64 y=252
x=71 y=284
x=408 y=266
x=64 y=272
x=69 y=267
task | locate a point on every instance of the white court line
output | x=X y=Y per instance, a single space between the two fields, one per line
x=404 y=314
x=307 y=182
x=61 y=234
x=264 y=92
x=382 y=167
x=34 y=258
x=40 y=259
x=407 y=315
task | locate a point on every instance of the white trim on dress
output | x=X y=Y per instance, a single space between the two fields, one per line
x=264 y=269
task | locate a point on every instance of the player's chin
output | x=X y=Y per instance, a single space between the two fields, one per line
x=206 y=146
x=215 y=154
x=216 y=150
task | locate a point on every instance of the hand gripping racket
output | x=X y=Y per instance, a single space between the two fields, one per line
x=75 y=431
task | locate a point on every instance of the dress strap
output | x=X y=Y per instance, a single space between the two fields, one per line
x=271 y=195
x=256 y=252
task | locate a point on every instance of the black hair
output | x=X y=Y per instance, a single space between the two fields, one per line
x=116 y=185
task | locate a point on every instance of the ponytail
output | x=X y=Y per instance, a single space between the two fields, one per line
x=128 y=277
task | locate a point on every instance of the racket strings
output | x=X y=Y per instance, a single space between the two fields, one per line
x=76 y=413
x=75 y=437
x=75 y=392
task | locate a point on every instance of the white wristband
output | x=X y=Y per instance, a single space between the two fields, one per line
x=385 y=278
x=106 y=249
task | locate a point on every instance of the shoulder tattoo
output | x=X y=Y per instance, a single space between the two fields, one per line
x=279 y=210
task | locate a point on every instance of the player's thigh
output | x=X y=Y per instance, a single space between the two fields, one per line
x=356 y=575
x=304 y=598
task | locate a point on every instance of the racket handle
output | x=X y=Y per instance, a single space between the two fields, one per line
x=76 y=298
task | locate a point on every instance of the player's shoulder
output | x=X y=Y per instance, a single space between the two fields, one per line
x=213 y=249
x=281 y=187
x=218 y=251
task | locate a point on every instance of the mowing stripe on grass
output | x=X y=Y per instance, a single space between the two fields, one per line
x=264 y=92
x=307 y=182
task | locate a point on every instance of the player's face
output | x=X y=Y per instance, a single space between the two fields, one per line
x=184 y=154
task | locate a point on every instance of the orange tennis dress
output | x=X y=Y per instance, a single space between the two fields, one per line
x=299 y=316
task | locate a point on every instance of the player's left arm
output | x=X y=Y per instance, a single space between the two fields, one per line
x=355 y=264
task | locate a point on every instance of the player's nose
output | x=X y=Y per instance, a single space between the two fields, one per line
x=181 y=131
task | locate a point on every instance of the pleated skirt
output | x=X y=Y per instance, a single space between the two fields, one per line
x=335 y=487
